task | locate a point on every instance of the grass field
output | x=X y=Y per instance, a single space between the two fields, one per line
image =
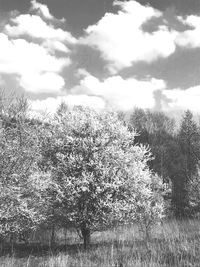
x=172 y=244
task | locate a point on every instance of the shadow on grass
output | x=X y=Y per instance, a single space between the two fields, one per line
x=24 y=250
x=167 y=252
x=36 y=249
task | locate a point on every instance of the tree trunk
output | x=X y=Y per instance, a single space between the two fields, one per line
x=12 y=243
x=180 y=200
x=85 y=231
x=65 y=237
x=1 y=245
x=52 y=241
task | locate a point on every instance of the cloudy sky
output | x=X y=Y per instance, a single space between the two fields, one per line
x=102 y=53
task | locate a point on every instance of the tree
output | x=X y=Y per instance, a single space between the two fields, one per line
x=138 y=122
x=194 y=193
x=20 y=202
x=101 y=175
x=188 y=142
x=156 y=130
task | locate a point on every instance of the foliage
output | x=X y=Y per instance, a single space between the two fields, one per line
x=189 y=139
x=20 y=204
x=194 y=194
x=156 y=130
x=101 y=175
x=176 y=152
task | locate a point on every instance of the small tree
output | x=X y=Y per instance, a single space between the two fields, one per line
x=20 y=202
x=188 y=141
x=194 y=193
x=101 y=175
x=141 y=199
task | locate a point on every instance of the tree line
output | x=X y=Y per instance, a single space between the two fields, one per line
x=176 y=149
x=80 y=169
x=91 y=170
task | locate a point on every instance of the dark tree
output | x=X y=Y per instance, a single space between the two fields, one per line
x=188 y=149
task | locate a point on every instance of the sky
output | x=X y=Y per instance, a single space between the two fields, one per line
x=102 y=53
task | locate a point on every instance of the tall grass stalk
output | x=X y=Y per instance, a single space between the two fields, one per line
x=172 y=244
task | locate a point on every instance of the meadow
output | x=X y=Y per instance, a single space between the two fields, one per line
x=174 y=243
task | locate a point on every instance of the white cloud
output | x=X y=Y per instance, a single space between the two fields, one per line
x=31 y=61
x=36 y=63
x=184 y=99
x=85 y=100
x=41 y=9
x=82 y=73
x=189 y=38
x=121 y=93
x=42 y=31
x=34 y=26
x=55 y=46
x=114 y=92
x=20 y=56
x=51 y=104
x=191 y=20
x=122 y=41
x=48 y=82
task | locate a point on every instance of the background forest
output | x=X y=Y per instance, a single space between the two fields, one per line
x=85 y=172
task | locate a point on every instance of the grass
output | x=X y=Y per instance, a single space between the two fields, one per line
x=172 y=244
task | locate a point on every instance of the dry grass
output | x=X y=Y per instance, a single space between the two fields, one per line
x=172 y=244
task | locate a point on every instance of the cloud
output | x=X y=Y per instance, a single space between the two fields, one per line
x=20 y=56
x=41 y=9
x=121 y=93
x=36 y=65
x=189 y=38
x=52 y=46
x=122 y=41
x=35 y=27
x=48 y=82
x=35 y=49
x=30 y=61
x=114 y=92
x=183 y=99
x=42 y=31
x=51 y=104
